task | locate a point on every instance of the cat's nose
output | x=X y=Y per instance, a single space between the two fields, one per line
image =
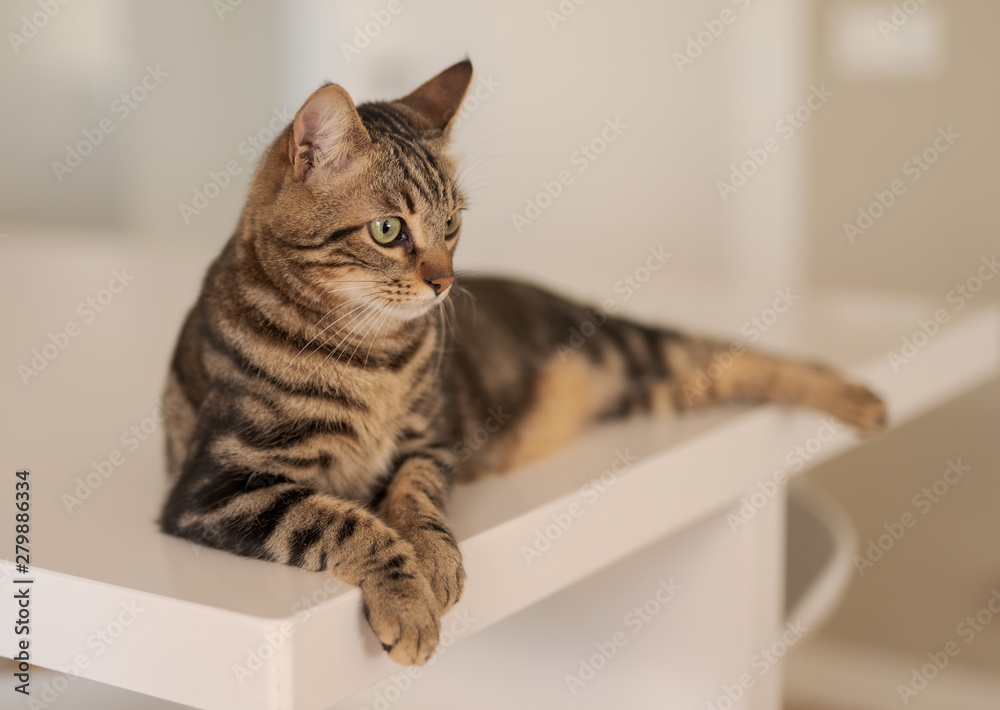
x=440 y=283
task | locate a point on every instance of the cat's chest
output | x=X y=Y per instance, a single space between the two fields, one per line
x=367 y=412
x=362 y=441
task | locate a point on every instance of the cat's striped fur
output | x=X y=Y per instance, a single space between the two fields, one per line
x=318 y=401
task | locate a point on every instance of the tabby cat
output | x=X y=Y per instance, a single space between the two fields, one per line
x=317 y=399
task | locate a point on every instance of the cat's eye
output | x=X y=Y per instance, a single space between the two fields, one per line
x=385 y=230
x=452 y=225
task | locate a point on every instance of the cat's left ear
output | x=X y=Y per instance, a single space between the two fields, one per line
x=437 y=100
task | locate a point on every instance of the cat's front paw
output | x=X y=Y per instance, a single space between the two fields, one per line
x=441 y=563
x=405 y=616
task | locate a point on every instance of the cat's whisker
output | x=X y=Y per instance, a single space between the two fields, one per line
x=371 y=323
x=395 y=309
x=372 y=306
x=469 y=169
x=466 y=293
x=452 y=317
x=467 y=173
x=318 y=296
x=343 y=304
x=353 y=323
x=291 y=362
x=352 y=291
x=384 y=321
x=369 y=320
x=362 y=321
x=475 y=163
x=311 y=340
x=355 y=297
x=470 y=191
x=366 y=298
x=477 y=184
x=475 y=158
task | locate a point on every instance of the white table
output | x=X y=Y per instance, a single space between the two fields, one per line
x=177 y=620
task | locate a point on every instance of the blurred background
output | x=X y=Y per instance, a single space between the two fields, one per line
x=844 y=149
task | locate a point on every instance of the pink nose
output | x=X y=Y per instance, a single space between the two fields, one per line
x=439 y=283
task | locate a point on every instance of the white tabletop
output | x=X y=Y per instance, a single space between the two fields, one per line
x=97 y=548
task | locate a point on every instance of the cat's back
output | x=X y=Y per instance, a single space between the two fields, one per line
x=493 y=314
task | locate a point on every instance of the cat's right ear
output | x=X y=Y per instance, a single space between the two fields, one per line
x=327 y=135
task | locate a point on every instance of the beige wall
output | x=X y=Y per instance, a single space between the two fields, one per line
x=946 y=564
x=936 y=232
x=932 y=238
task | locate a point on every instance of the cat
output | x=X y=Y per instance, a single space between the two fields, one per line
x=317 y=397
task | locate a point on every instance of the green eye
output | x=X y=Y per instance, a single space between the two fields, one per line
x=385 y=230
x=453 y=223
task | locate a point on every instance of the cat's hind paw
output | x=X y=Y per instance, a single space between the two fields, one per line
x=860 y=408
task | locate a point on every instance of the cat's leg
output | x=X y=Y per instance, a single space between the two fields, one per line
x=414 y=505
x=269 y=516
x=627 y=368
x=706 y=371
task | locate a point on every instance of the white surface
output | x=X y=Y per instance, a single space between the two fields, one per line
x=683 y=650
x=679 y=656
x=204 y=611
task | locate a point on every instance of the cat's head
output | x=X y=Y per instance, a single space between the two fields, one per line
x=358 y=205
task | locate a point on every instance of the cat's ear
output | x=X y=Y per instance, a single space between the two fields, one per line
x=437 y=100
x=327 y=134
